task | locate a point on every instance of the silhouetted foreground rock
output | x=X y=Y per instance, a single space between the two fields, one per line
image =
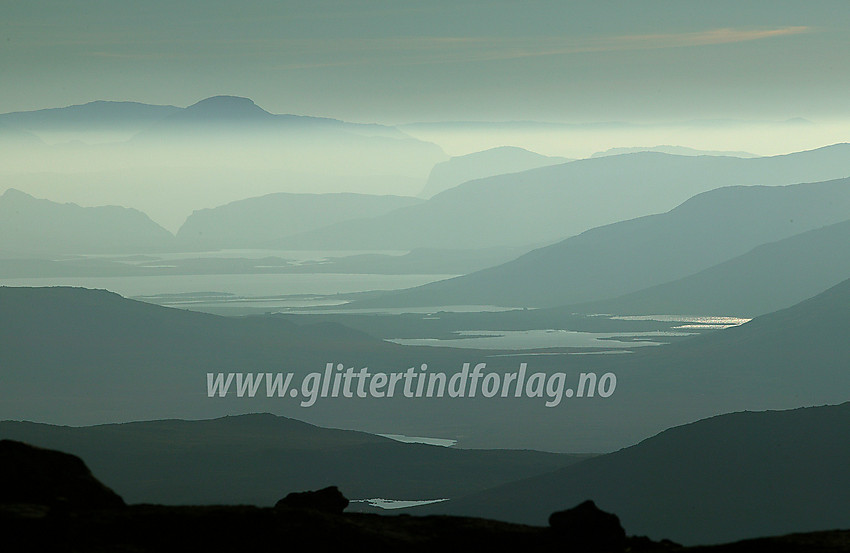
x=156 y=528
x=327 y=500
x=588 y=528
x=32 y=475
x=34 y=481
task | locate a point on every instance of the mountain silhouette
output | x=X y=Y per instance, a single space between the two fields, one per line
x=241 y=115
x=675 y=150
x=768 y=278
x=35 y=226
x=789 y=358
x=54 y=337
x=50 y=501
x=80 y=356
x=730 y=477
x=552 y=203
x=623 y=257
x=224 y=107
x=189 y=462
x=785 y=359
x=263 y=221
x=312 y=519
x=169 y=161
x=489 y=163
x=60 y=349
x=98 y=115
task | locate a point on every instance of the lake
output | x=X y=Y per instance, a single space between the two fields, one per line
x=551 y=338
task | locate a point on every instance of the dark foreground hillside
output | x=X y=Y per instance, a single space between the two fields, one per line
x=50 y=501
x=146 y=528
x=252 y=458
x=725 y=478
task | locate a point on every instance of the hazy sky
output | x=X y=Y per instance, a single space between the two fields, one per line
x=397 y=61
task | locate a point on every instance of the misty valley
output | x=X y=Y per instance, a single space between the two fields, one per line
x=408 y=329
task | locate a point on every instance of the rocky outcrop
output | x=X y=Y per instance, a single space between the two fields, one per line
x=327 y=500
x=36 y=476
x=588 y=528
x=91 y=517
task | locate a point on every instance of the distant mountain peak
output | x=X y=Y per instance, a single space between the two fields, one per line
x=483 y=164
x=37 y=225
x=671 y=150
x=509 y=149
x=798 y=121
x=14 y=194
x=229 y=107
